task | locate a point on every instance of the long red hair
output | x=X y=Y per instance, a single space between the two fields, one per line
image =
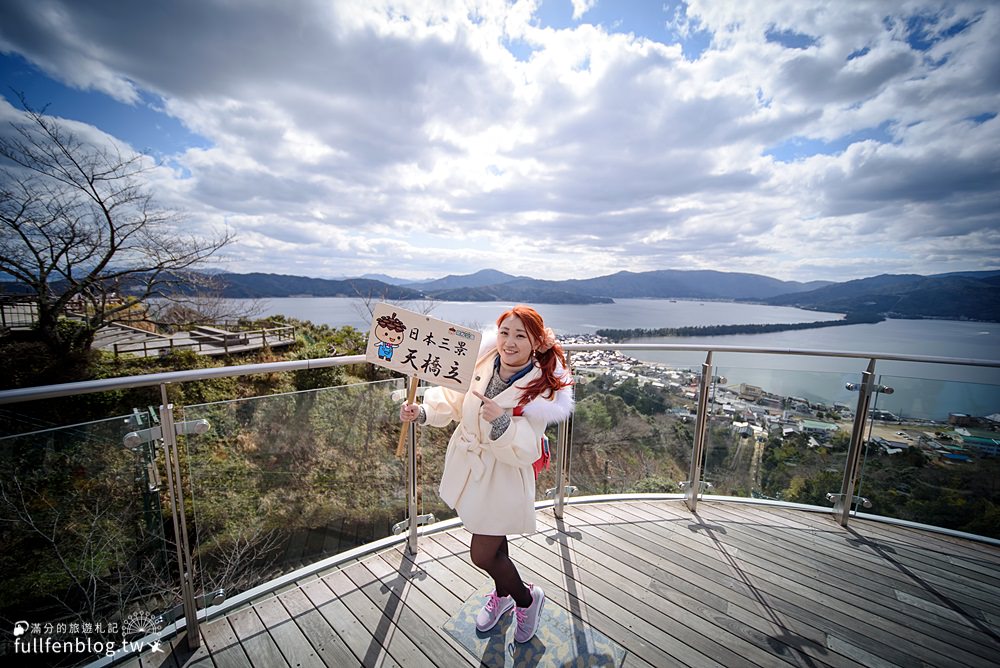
x=549 y=362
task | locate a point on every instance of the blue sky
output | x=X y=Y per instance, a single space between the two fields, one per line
x=643 y=18
x=143 y=124
x=800 y=139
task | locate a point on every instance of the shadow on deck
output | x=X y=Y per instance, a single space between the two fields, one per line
x=735 y=585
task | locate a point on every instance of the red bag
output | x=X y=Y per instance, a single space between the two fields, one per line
x=542 y=463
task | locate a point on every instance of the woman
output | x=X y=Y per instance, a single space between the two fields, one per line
x=521 y=384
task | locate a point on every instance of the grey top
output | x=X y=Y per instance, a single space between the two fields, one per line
x=493 y=388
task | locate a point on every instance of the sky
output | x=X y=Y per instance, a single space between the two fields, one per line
x=557 y=139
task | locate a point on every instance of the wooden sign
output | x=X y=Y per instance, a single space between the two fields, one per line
x=423 y=347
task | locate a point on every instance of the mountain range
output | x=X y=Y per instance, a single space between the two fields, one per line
x=960 y=295
x=966 y=295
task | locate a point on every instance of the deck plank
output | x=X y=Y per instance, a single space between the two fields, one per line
x=255 y=639
x=839 y=595
x=836 y=594
x=287 y=635
x=681 y=591
x=864 y=554
x=328 y=645
x=924 y=602
x=387 y=641
x=891 y=572
x=774 y=592
x=413 y=630
x=736 y=645
x=174 y=650
x=733 y=585
x=635 y=634
x=348 y=627
x=408 y=581
x=443 y=585
x=223 y=644
x=670 y=573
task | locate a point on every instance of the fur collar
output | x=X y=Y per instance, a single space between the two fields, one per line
x=554 y=409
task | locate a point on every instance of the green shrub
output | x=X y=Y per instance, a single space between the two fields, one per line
x=314 y=379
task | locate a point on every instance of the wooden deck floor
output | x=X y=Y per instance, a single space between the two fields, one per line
x=735 y=585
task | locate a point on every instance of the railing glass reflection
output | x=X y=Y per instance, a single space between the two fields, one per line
x=286 y=480
x=632 y=433
x=927 y=460
x=771 y=446
x=84 y=540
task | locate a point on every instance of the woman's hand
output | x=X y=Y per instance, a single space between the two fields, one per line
x=491 y=410
x=409 y=412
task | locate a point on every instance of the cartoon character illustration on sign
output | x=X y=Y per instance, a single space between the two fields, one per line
x=389 y=331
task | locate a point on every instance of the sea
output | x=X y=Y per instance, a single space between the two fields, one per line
x=919 y=390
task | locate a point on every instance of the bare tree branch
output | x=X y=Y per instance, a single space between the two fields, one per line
x=78 y=224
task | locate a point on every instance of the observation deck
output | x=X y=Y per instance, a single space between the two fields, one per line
x=640 y=582
x=684 y=522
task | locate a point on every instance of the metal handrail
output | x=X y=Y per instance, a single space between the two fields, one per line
x=169 y=377
x=147 y=380
x=695 y=348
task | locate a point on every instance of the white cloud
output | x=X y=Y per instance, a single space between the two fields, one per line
x=404 y=137
x=581 y=7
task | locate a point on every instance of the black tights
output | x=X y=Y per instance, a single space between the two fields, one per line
x=490 y=554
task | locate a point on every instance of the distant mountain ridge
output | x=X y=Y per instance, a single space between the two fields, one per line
x=677 y=284
x=957 y=295
x=259 y=285
x=480 y=279
x=961 y=295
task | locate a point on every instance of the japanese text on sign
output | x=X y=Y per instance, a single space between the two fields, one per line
x=418 y=345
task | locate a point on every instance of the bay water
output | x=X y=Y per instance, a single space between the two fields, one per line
x=927 y=391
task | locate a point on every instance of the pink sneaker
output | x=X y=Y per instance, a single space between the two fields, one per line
x=495 y=608
x=528 y=618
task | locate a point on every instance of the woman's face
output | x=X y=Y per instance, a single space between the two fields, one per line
x=513 y=343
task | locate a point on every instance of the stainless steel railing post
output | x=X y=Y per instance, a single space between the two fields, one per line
x=564 y=442
x=411 y=486
x=843 y=503
x=701 y=424
x=184 y=562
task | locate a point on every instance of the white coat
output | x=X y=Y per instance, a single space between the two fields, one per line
x=491 y=483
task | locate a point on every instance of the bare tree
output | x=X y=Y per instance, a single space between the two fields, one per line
x=244 y=562
x=80 y=228
x=87 y=544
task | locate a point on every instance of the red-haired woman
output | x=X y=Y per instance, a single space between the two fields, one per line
x=488 y=476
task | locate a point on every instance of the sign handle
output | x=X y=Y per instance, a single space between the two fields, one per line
x=410 y=396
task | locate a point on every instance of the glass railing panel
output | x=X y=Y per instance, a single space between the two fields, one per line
x=545 y=479
x=933 y=454
x=778 y=434
x=633 y=428
x=432 y=446
x=282 y=481
x=86 y=545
